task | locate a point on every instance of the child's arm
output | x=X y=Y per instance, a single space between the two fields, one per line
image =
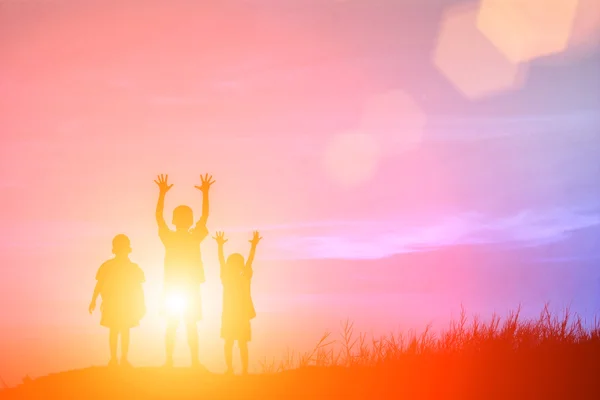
x=220 y=238
x=253 y=243
x=164 y=187
x=140 y=277
x=98 y=288
x=205 y=182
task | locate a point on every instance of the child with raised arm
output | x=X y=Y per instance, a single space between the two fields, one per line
x=238 y=308
x=120 y=286
x=184 y=272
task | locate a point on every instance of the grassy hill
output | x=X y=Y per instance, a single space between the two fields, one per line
x=423 y=378
x=546 y=358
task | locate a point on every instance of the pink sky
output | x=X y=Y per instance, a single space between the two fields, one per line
x=98 y=100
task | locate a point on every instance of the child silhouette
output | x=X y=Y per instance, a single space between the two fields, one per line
x=184 y=271
x=119 y=282
x=238 y=308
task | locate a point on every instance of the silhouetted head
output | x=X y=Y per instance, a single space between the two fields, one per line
x=235 y=262
x=183 y=217
x=121 y=245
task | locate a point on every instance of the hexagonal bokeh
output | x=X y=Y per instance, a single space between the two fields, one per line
x=586 y=26
x=585 y=35
x=524 y=30
x=396 y=119
x=351 y=158
x=469 y=60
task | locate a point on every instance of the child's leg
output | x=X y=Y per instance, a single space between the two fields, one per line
x=244 y=355
x=124 y=344
x=113 y=337
x=170 y=339
x=192 y=337
x=229 y=355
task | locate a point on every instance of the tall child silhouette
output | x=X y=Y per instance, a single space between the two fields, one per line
x=184 y=271
x=120 y=286
x=238 y=308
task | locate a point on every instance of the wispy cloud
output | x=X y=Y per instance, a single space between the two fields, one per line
x=442 y=128
x=373 y=240
x=355 y=239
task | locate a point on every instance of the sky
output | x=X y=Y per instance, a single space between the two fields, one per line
x=400 y=158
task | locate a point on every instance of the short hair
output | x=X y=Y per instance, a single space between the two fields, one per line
x=120 y=243
x=235 y=259
x=183 y=215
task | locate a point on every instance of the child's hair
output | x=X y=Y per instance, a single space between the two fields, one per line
x=183 y=217
x=235 y=260
x=121 y=244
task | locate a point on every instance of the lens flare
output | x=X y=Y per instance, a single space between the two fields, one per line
x=351 y=158
x=396 y=119
x=524 y=30
x=470 y=62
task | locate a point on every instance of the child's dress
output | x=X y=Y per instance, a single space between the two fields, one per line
x=238 y=308
x=123 y=303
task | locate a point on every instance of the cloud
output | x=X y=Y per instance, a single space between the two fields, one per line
x=374 y=240
x=477 y=128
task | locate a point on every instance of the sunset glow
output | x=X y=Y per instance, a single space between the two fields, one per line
x=399 y=158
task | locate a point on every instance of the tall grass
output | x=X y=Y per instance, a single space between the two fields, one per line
x=549 y=333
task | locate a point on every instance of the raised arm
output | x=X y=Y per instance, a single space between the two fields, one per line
x=163 y=185
x=253 y=243
x=220 y=238
x=205 y=182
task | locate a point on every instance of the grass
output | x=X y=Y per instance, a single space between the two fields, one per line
x=511 y=335
x=548 y=357
x=551 y=356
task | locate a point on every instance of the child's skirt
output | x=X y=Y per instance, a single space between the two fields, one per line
x=123 y=313
x=238 y=309
x=236 y=329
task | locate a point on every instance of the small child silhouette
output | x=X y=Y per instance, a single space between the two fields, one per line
x=120 y=285
x=238 y=308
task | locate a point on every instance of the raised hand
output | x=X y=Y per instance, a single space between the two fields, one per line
x=205 y=182
x=255 y=238
x=163 y=183
x=220 y=238
x=92 y=306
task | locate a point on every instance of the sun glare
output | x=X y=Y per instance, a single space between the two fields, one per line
x=176 y=304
